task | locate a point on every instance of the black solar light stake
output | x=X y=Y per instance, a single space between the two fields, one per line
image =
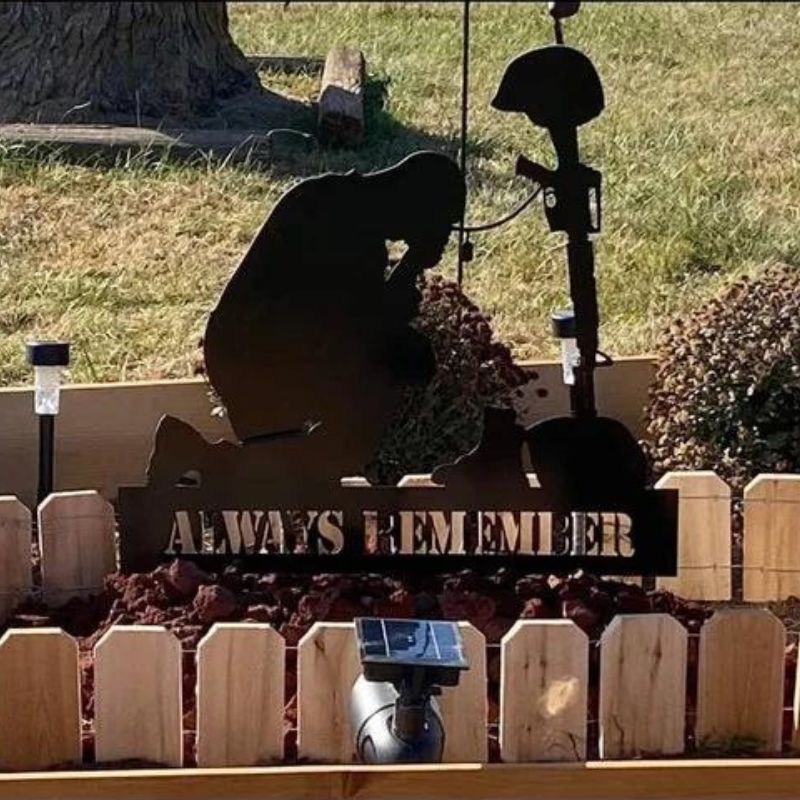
x=392 y=707
x=48 y=360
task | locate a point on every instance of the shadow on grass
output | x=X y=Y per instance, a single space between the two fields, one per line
x=290 y=151
x=387 y=140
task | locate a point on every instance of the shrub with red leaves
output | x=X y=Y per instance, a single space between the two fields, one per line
x=442 y=421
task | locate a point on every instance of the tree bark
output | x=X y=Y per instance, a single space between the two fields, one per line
x=169 y=63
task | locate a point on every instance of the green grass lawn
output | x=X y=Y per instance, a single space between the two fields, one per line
x=699 y=146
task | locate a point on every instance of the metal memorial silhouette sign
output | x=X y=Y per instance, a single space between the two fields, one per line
x=311 y=346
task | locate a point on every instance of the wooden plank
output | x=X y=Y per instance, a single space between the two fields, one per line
x=105 y=430
x=137 y=696
x=327 y=666
x=740 y=683
x=543 y=691
x=796 y=710
x=341 y=97
x=642 y=686
x=106 y=142
x=719 y=779
x=240 y=688
x=40 y=712
x=15 y=553
x=704 y=536
x=420 y=480
x=621 y=389
x=464 y=708
x=76 y=542
x=772 y=538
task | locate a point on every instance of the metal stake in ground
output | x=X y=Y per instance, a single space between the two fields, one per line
x=48 y=360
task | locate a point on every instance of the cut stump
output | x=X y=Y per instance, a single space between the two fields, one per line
x=341 y=98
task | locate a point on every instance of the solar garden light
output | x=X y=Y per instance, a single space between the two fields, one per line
x=392 y=708
x=48 y=360
x=563 y=323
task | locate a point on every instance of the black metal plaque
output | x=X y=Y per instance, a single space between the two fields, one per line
x=484 y=513
x=310 y=349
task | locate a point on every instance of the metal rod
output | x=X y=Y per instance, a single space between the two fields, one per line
x=464 y=128
x=583 y=291
x=46 y=455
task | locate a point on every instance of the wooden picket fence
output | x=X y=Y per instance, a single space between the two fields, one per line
x=77 y=542
x=656 y=682
x=543 y=709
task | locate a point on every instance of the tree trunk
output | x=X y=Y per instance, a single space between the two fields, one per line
x=170 y=63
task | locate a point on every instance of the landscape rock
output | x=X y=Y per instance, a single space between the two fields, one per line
x=214 y=604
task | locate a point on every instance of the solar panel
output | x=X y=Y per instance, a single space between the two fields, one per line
x=412 y=643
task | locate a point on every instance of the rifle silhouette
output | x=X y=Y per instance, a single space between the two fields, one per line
x=558 y=88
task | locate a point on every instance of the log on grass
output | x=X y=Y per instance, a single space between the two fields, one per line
x=341 y=98
x=108 y=142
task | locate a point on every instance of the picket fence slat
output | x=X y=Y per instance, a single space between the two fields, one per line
x=543 y=691
x=15 y=553
x=704 y=536
x=796 y=709
x=642 y=686
x=327 y=666
x=772 y=538
x=464 y=708
x=40 y=712
x=240 y=688
x=740 y=683
x=137 y=696
x=76 y=541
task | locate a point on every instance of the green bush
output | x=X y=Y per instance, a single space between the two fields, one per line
x=727 y=390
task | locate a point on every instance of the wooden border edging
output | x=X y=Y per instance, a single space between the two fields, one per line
x=620 y=780
x=104 y=433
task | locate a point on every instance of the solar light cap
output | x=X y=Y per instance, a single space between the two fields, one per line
x=47 y=353
x=563 y=324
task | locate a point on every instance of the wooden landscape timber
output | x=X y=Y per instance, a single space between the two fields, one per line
x=104 y=431
x=746 y=779
x=107 y=142
x=341 y=98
